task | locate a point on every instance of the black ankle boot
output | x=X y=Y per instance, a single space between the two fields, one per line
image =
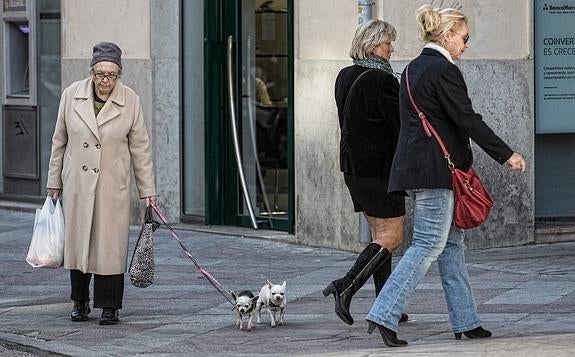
x=109 y=316
x=389 y=336
x=369 y=260
x=81 y=311
x=380 y=276
x=478 y=332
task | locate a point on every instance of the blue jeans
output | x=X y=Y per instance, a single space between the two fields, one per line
x=434 y=238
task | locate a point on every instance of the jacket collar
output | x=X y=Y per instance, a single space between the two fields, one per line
x=431 y=47
x=85 y=108
x=86 y=91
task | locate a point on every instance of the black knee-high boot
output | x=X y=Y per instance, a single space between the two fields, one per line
x=369 y=260
x=380 y=277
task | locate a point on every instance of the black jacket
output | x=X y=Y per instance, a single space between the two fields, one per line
x=368 y=119
x=439 y=90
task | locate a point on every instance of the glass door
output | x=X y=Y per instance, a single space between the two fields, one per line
x=192 y=109
x=264 y=99
x=257 y=129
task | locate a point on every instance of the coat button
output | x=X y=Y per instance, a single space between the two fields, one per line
x=98 y=146
x=85 y=145
x=96 y=170
x=85 y=168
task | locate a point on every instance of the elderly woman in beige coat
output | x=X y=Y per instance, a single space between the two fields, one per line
x=100 y=133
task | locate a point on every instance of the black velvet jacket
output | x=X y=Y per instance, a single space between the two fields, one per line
x=439 y=90
x=368 y=119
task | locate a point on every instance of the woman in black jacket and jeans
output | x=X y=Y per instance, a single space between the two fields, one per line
x=438 y=88
x=366 y=95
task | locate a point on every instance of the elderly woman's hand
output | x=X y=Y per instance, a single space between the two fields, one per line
x=516 y=162
x=150 y=200
x=54 y=192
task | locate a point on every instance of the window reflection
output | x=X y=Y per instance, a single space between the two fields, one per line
x=270 y=83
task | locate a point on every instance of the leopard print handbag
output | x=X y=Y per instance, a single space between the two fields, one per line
x=141 y=269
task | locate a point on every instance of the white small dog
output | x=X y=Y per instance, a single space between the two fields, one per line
x=274 y=297
x=245 y=306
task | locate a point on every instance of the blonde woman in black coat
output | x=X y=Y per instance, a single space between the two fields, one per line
x=438 y=88
x=366 y=95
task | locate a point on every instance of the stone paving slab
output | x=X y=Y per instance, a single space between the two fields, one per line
x=525 y=295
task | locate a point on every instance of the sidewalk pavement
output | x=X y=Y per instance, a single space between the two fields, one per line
x=525 y=295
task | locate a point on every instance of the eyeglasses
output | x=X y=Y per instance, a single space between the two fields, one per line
x=465 y=38
x=111 y=76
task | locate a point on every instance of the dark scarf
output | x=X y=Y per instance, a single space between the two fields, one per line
x=376 y=63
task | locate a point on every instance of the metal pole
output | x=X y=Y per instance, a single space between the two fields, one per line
x=252 y=120
x=364 y=10
x=235 y=135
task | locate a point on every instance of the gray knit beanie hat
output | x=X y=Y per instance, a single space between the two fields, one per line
x=107 y=51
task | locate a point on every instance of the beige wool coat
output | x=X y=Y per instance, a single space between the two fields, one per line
x=90 y=161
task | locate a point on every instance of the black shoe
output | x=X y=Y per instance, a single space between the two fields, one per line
x=109 y=316
x=369 y=260
x=478 y=332
x=81 y=311
x=389 y=336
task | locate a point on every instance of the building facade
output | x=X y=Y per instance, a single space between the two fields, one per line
x=238 y=96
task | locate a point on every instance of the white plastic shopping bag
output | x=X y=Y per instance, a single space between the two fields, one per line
x=47 y=245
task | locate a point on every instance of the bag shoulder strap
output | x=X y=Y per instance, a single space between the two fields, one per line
x=353 y=85
x=429 y=129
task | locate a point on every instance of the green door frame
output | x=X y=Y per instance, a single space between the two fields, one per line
x=217 y=133
x=221 y=19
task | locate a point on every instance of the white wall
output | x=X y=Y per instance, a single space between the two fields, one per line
x=325 y=28
x=498 y=29
x=124 y=22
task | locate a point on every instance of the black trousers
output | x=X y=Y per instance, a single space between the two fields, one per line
x=108 y=289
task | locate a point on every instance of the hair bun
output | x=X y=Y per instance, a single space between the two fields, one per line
x=428 y=18
x=433 y=23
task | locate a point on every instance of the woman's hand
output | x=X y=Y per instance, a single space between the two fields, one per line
x=149 y=200
x=54 y=192
x=516 y=162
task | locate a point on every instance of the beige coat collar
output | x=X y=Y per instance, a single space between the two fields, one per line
x=85 y=108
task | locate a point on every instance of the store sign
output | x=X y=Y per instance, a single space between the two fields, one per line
x=554 y=66
x=14 y=5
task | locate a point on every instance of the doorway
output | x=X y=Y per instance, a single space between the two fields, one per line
x=249 y=113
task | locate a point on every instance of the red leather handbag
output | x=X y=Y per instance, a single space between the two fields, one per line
x=472 y=201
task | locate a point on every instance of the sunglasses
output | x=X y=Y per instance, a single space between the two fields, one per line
x=465 y=38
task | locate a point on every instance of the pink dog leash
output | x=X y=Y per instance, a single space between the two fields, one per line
x=216 y=284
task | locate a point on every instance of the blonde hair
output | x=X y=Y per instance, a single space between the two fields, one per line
x=434 y=23
x=369 y=35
